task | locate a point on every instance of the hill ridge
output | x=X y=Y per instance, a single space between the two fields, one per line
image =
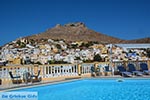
x=75 y=32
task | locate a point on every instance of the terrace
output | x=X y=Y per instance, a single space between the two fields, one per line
x=60 y=72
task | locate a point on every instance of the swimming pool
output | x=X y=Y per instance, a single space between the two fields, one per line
x=95 y=89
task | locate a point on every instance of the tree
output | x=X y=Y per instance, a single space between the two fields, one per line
x=97 y=57
x=32 y=41
x=58 y=46
x=88 y=61
x=74 y=46
x=85 y=45
x=23 y=45
x=18 y=42
x=39 y=63
x=51 y=61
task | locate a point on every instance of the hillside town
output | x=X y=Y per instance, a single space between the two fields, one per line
x=49 y=51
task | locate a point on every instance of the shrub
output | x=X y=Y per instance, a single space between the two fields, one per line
x=97 y=57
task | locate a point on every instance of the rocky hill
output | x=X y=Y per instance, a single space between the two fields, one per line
x=75 y=32
x=79 y=32
x=142 y=40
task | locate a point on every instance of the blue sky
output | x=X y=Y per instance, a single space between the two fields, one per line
x=125 y=19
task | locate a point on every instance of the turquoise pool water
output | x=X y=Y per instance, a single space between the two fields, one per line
x=95 y=89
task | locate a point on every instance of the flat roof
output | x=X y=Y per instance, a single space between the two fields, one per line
x=133 y=45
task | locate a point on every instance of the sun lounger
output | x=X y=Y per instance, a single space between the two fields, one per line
x=133 y=70
x=26 y=77
x=107 y=70
x=15 y=79
x=93 y=71
x=144 y=68
x=124 y=72
x=36 y=78
x=97 y=71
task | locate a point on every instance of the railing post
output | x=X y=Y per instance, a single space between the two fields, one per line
x=148 y=63
x=72 y=69
x=97 y=71
x=112 y=68
x=125 y=64
x=79 y=69
x=35 y=69
x=95 y=65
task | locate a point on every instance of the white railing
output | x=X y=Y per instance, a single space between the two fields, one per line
x=86 y=68
x=61 y=70
x=16 y=70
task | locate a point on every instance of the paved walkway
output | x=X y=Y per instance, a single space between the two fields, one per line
x=23 y=85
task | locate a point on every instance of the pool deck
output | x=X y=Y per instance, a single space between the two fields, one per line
x=10 y=87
